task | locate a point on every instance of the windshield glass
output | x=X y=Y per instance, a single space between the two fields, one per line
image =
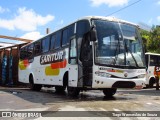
x=118 y=44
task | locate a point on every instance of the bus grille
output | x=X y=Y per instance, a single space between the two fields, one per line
x=124 y=84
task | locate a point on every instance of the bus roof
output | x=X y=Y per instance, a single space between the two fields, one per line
x=149 y=53
x=88 y=18
x=108 y=19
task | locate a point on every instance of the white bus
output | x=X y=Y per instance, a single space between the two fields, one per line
x=92 y=53
x=153 y=68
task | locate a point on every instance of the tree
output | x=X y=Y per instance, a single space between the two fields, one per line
x=145 y=38
x=151 y=39
x=155 y=37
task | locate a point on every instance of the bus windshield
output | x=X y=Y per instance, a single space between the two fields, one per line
x=118 y=45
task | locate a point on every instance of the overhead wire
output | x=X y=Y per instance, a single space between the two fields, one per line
x=124 y=7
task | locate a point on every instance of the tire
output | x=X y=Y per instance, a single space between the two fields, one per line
x=60 y=89
x=147 y=86
x=151 y=83
x=73 y=91
x=34 y=87
x=109 y=92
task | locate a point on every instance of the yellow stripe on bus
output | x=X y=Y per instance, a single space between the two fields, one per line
x=49 y=71
x=21 y=65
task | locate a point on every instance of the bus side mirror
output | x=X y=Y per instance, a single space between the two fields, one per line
x=93 y=34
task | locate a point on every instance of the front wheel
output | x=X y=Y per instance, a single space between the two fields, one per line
x=151 y=84
x=73 y=91
x=60 y=89
x=109 y=92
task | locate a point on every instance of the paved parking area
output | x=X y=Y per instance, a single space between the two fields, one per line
x=23 y=99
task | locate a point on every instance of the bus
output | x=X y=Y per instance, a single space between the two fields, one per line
x=153 y=68
x=92 y=53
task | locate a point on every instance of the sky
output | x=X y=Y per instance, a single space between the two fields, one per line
x=30 y=18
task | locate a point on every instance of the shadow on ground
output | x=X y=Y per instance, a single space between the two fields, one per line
x=51 y=96
x=146 y=92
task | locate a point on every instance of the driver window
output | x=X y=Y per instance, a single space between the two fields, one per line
x=73 y=52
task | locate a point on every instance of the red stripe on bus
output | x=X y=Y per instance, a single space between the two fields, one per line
x=26 y=63
x=59 y=64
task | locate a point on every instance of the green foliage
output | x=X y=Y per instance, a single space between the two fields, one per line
x=151 y=39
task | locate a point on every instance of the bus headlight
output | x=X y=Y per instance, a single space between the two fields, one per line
x=141 y=76
x=103 y=74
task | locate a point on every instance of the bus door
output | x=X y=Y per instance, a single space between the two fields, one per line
x=86 y=57
x=73 y=66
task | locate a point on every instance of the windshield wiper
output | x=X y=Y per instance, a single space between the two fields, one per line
x=128 y=50
x=118 y=47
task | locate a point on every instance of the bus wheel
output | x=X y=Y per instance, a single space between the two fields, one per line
x=73 y=91
x=109 y=92
x=151 y=83
x=33 y=86
x=60 y=89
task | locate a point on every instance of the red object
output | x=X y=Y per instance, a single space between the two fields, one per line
x=59 y=64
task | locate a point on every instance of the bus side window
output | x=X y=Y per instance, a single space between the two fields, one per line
x=22 y=54
x=158 y=57
x=146 y=57
x=67 y=34
x=70 y=32
x=45 y=44
x=26 y=52
x=30 y=50
x=37 y=48
x=58 y=40
x=53 y=38
x=82 y=28
x=65 y=37
x=153 y=60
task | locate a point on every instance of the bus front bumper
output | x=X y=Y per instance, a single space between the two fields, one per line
x=100 y=82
